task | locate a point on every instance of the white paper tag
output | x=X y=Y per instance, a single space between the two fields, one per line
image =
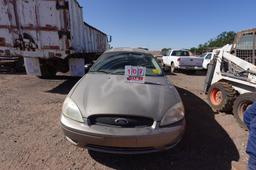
x=135 y=74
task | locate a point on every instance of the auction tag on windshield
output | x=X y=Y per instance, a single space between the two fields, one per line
x=135 y=74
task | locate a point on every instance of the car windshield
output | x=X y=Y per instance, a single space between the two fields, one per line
x=114 y=63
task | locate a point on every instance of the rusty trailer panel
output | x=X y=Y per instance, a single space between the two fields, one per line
x=96 y=41
x=47 y=28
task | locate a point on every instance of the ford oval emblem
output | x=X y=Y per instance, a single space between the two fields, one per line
x=121 y=121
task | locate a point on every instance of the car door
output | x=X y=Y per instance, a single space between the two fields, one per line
x=207 y=60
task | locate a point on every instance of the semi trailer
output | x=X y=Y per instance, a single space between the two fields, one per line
x=50 y=35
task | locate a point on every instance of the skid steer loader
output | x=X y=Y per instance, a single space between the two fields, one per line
x=230 y=83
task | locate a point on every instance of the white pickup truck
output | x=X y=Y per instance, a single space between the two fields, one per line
x=181 y=59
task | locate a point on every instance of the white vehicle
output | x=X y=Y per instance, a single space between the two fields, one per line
x=51 y=36
x=207 y=58
x=230 y=83
x=181 y=59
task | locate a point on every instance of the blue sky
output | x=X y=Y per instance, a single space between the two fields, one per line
x=168 y=23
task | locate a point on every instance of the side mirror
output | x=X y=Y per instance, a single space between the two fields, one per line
x=109 y=39
x=88 y=66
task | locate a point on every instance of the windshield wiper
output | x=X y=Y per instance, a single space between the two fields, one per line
x=100 y=71
x=153 y=83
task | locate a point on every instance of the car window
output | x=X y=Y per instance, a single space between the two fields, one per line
x=185 y=53
x=115 y=63
x=180 y=53
x=209 y=56
x=203 y=55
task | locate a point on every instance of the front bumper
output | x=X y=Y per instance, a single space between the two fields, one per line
x=122 y=140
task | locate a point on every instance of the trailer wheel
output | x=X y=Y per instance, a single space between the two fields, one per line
x=47 y=72
x=19 y=65
x=221 y=97
x=241 y=103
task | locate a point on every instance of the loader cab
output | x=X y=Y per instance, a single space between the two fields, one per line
x=244 y=45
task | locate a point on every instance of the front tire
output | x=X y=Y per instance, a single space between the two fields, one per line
x=165 y=68
x=221 y=96
x=241 y=103
x=172 y=68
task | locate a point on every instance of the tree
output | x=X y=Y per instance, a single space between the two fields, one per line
x=193 y=50
x=165 y=51
x=221 y=40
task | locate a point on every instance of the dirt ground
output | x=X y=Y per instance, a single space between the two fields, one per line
x=31 y=138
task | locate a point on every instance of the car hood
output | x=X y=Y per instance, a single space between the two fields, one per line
x=112 y=94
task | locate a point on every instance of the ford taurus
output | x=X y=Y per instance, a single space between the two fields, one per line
x=124 y=104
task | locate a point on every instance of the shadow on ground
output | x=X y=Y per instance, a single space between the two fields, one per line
x=66 y=86
x=12 y=70
x=170 y=74
x=205 y=146
x=194 y=72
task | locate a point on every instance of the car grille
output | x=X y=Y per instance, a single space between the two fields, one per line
x=119 y=149
x=120 y=121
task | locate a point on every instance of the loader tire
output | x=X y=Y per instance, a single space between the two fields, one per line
x=221 y=96
x=241 y=103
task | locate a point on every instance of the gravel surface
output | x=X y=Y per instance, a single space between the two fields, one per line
x=31 y=138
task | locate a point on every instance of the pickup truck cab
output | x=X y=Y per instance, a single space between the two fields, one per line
x=207 y=59
x=181 y=59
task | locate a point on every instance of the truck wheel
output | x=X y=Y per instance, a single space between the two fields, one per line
x=172 y=68
x=47 y=72
x=221 y=97
x=165 y=68
x=19 y=65
x=241 y=103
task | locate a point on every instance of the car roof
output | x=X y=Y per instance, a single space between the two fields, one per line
x=120 y=50
x=180 y=50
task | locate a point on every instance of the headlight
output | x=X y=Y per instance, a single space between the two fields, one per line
x=173 y=115
x=70 y=110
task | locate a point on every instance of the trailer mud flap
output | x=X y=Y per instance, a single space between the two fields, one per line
x=32 y=66
x=76 y=67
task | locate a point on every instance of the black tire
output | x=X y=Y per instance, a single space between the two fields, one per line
x=221 y=96
x=241 y=103
x=19 y=65
x=48 y=72
x=172 y=68
x=165 y=68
